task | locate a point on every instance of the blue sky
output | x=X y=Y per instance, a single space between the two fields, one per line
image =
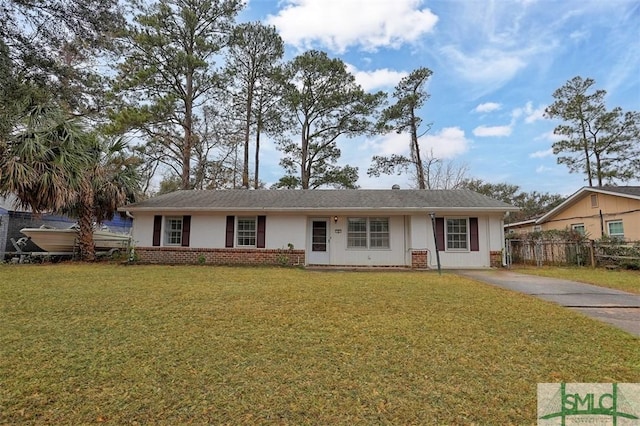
x=495 y=66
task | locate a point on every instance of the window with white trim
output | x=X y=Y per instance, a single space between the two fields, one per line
x=173 y=231
x=457 y=234
x=616 y=230
x=371 y=233
x=379 y=233
x=246 y=232
x=578 y=227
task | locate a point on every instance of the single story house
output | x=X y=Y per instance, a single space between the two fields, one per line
x=597 y=212
x=360 y=227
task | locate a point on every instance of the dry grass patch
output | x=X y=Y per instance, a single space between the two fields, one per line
x=173 y=345
x=625 y=280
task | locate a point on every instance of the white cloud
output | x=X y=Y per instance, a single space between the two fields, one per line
x=549 y=136
x=392 y=143
x=376 y=79
x=542 y=154
x=544 y=169
x=489 y=131
x=535 y=115
x=579 y=35
x=490 y=68
x=339 y=24
x=488 y=107
x=530 y=114
x=444 y=144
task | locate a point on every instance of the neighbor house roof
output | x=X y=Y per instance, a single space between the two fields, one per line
x=319 y=200
x=619 y=191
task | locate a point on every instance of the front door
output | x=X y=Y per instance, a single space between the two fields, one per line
x=319 y=250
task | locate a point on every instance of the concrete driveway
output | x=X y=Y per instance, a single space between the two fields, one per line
x=615 y=307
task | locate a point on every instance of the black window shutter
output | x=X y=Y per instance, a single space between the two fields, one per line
x=440 y=233
x=473 y=233
x=229 y=234
x=157 y=227
x=260 y=236
x=186 y=230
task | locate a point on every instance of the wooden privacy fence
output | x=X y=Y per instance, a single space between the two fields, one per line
x=541 y=252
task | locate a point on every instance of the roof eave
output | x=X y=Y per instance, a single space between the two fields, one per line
x=330 y=210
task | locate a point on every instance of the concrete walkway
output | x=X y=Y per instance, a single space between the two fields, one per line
x=615 y=307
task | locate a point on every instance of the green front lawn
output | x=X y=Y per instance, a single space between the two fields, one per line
x=624 y=280
x=173 y=345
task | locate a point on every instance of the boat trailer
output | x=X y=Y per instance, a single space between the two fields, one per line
x=21 y=256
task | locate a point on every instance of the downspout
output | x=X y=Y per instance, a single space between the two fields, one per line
x=601 y=225
x=132 y=249
x=435 y=240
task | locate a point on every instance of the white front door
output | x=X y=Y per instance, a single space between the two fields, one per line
x=319 y=247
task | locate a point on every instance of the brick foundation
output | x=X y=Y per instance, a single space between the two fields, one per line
x=188 y=255
x=419 y=259
x=495 y=259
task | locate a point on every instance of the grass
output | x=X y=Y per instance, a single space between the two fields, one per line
x=83 y=344
x=625 y=280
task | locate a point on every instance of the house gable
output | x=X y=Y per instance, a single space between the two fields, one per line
x=598 y=212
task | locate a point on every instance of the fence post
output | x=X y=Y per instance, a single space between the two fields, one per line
x=592 y=252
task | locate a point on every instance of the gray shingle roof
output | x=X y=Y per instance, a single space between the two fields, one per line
x=317 y=200
x=624 y=190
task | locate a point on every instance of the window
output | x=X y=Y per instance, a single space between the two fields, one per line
x=379 y=232
x=372 y=233
x=457 y=234
x=246 y=231
x=615 y=229
x=173 y=231
x=594 y=200
x=578 y=227
x=537 y=228
x=357 y=232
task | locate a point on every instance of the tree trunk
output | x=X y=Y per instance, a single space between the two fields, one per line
x=247 y=131
x=188 y=132
x=598 y=168
x=85 y=223
x=305 y=166
x=416 y=152
x=586 y=148
x=256 y=180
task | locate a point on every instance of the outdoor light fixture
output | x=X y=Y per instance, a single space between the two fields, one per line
x=335 y=219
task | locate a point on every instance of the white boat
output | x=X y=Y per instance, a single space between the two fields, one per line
x=59 y=240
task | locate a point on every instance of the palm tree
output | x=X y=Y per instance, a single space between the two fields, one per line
x=51 y=163
x=110 y=179
x=42 y=160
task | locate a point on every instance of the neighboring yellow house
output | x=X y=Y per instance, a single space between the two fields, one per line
x=612 y=211
x=521 y=228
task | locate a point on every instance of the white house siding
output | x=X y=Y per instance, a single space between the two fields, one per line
x=490 y=238
x=208 y=231
x=407 y=234
x=421 y=233
x=282 y=230
x=143 y=230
